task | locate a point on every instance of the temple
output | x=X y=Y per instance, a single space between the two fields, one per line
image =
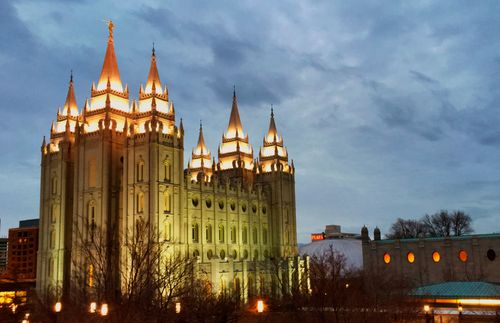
x=117 y=163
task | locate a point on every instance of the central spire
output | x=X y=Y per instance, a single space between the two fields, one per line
x=234 y=128
x=110 y=72
x=201 y=160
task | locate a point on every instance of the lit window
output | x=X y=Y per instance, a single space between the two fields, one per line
x=436 y=256
x=221 y=233
x=387 y=258
x=208 y=233
x=91 y=275
x=463 y=256
x=166 y=202
x=194 y=231
x=244 y=235
x=140 y=171
x=411 y=257
x=233 y=234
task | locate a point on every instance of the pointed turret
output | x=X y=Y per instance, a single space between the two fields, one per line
x=110 y=70
x=200 y=160
x=70 y=106
x=272 y=151
x=235 y=146
x=234 y=128
x=153 y=82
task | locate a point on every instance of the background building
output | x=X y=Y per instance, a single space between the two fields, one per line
x=4 y=242
x=118 y=163
x=22 y=252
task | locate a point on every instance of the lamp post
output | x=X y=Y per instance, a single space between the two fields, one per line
x=427 y=309
x=460 y=310
x=57 y=310
x=104 y=309
x=93 y=308
x=260 y=306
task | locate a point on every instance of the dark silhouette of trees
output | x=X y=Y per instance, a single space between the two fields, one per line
x=439 y=224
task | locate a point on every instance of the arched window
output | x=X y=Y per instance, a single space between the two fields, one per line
x=167 y=203
x=244 y=235
x=140 y=202
x=233 y=234
x=255 y=235
x=221 y=233
x=54 y=185
x=50 y=267
x=91 y=275
x=140 y=171
x=168 y=231
x=53 y=214
x=52 y=239
x=167 y=171
x=208 y=233
x=195 y=232
x=91 y=219
x=264 y=235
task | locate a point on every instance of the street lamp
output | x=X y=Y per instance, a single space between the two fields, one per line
x=93 y=307
x=460 y=310
x=104 y=309
x=177 y=307
x=57 y=310
x=427 y=309
x=260 y=306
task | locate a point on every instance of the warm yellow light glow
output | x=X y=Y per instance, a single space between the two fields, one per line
x=177 y=307
x=480 y=301
x=93 y=307
x=271 y=150
x=116 y=85
x=104 y=309
x=387 y=258
x=61 y=126
x=58 y=307
x=436 y=257
x=116 y=102
x=260 y=306
x=146 y=105
x=460 y=309
x=427 y=308
x=230 y=147
x=411 y=257
x=196 y=163
x=228 y=164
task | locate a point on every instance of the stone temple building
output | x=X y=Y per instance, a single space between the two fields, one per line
x=116 y=162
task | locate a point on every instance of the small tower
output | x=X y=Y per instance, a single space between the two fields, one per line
x=201 y=161
x=376 y=234
x=364 y=234
x=273 y=155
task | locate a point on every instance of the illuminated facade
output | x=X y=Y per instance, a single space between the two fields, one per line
x=117 y=162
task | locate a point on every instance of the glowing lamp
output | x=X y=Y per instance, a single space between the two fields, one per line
x=93 y=307
x=177 y=307
x=58 y=307
x=427 y=308
x=260 y=306
x=104 y=309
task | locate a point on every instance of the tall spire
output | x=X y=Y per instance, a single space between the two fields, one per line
x=234 y=128
x=235 y=146
x=110 y=66
x=272 y=133
x=70 y=106
x=153 y=76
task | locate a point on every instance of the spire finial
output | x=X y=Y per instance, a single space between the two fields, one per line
x=71 y=76
x=234 y=90
x=153 y=49
x=110 y=28
x=201 y=126
x=272 y=111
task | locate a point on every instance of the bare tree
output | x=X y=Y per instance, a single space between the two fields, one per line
x=460 y=223
x=404 y=229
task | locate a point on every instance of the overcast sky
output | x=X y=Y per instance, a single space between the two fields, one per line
x=389 y=109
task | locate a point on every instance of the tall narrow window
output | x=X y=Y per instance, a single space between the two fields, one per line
x=140 y=202
x=53 y=214
x=50 y=267
x=221 y=233
x=91 y=219
x=195 y=232
x=168 y=231
x=140 y=171
x=52 y=239
x=54 y=185
x=233 y=234
x=244 y=235
x=166 y=171
x=167 y=202
x=255 y=235
x=92 y=173
x=91 y=275
x=264 y=236
x=208 y=233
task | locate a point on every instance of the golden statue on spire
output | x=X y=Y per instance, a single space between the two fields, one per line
x=110 y=28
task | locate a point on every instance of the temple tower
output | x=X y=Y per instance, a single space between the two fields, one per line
x=275 y=171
